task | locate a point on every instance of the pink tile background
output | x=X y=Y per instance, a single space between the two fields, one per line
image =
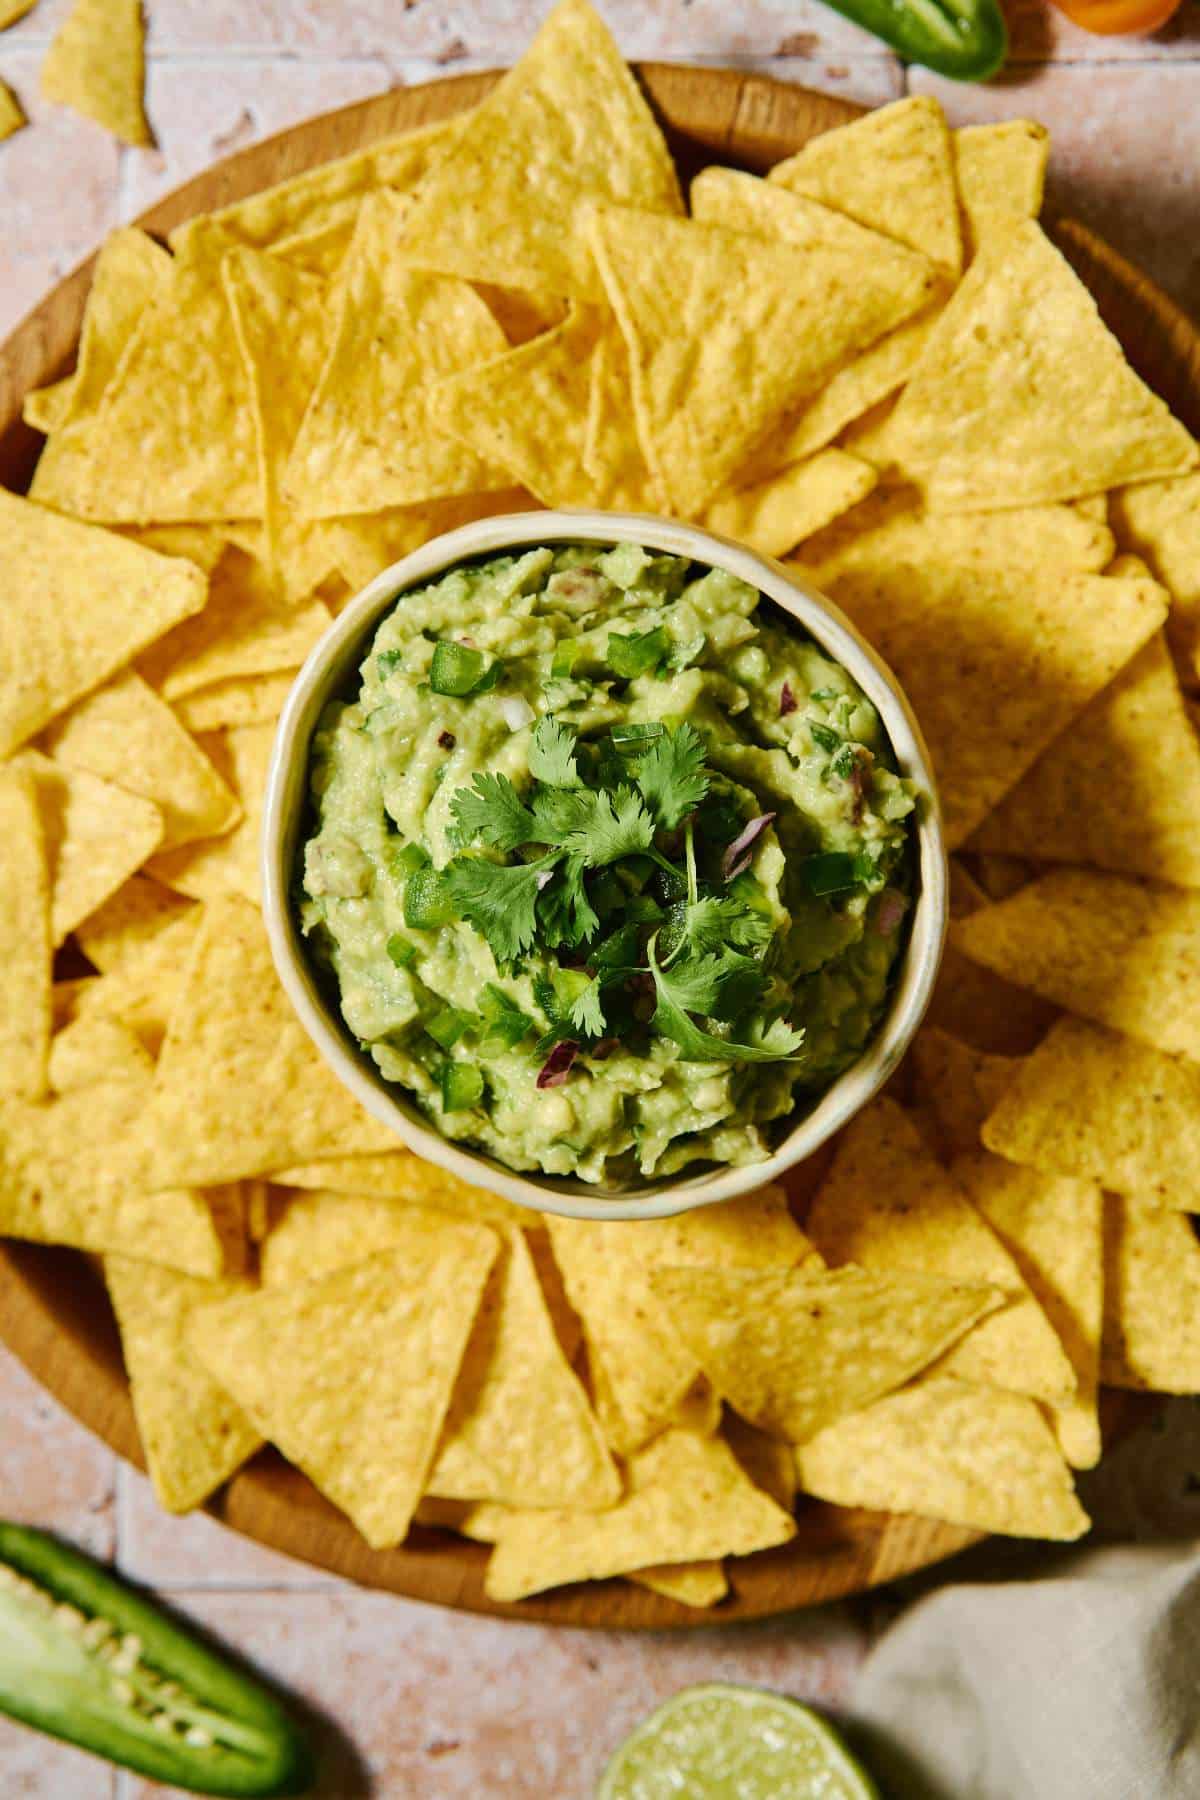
x=433 y=1705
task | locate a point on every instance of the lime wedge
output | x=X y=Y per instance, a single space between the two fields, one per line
x=719 y=1742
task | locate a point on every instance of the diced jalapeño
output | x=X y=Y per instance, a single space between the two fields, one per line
x=462 y=1086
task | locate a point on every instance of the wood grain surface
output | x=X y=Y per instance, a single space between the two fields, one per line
x=54 y=1314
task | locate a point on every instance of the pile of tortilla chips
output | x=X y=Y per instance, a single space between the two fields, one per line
x=873 y=362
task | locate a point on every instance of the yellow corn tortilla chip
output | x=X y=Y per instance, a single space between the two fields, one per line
x=204 y=545
x=1053 y=1228
x=78 y=604
x=25 y=941
x=688 y=1500
x=241 y=700
x=140 y=988
x=692 y=1584
x=95 y=835
x=955 y=1087
x=96 y=65
x=1023 y=395
x=229 y=863
x=888 y=1205
x=695 y=301
x=239 y=1089
x=1001 y=876
x=1151 y=1299
x=949 y=1450
x=1106 y=1108
x=1001 y=174
x=351 y=1375
x=368 y=439
x=641 y=1372
x=12 y=116
x=193 y=1435
x=612 y=450
x=131 y=272
x=12 y=10
x=1161 y=519
x=84 y=1050
x=768 y=1461
x=520 y=314
x=124 y=733
x=776 y=514
x=173 y=440
x=1121 y=952
x=399 y=1175
x=318 y=1230
x=893 y=171
x=567 y=126
x=996 y=664
x=1120 y=789
x=367 y=543
x=245 y=629
x=971 y=1003
x=745 y=203
x=791 y=1353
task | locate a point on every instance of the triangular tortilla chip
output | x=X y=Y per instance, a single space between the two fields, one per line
x=242 y=700
x=226 y=864
x=96 y=64
x=367 y=543
x=1122 y=952
x=1162 y=520
x=399 y=1175
x=1001 y=174
x=130 y=921
x=1151 y=1299
x=641 y=1372
x=996 y=664
x=239 y=1089
x=1053 y=1229
x=768 y=1461
x=888 y=1205
x=974 y=1005
x=350 y=1375
x=193 y=1435
x=245 y=629
x=25 y=941
x=949 y=1450
x=124 y=733
x=142 y=988
x=368 y=439
x=567 y=126
x=776 y=514
x=11 y=116
x=78 y=604
x=1120 y=789
x=791 y=1353
x=892 y=170
x=95 y=834
x=1107 y=1108
x=696 y=300
x=955 y=1087
x=1023 y=394
x=692 y=1584
x=688 y=1499
x=612 y=452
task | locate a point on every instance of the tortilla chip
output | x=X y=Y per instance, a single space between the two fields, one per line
x=239 y=1088
x=995 y=663
x=95 y=835
x=227 y=864
x=688 y=1500
x=12 y=116
x=566 y=127
x=1118 y=951
x=889 y=1206
x=893 y=171
x=1151 y=1299
x=1106 y=1108
x=955 y=1087
x=791 y=1353
x=141 y=988
x=520 y=314
x=129 y=920
x=96 y=64
x=692 y=1584
x=85 y=1050
x=244 y=630
x=971 y=1003
x=242 y=700
x=1001 y=174
x=367 y=543
x=351 y=1375
x=641 y=1372
x=193 y=1435
x=949 y=1450
x=1161 y=519
x=46 y=407
x=174 y=439
x=123 y=733
x=1023 y=395
x=744 y=203
x=768 y=1461
x=25 y=943
x=399 y=1175
x=1001 y=876
x=775 y=514
x=527 y=411
x=78 y=604
x=696 y=300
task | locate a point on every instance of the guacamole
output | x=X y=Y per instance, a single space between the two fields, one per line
x=609 y=865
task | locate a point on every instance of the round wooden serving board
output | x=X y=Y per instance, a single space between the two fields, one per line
x=54 y=1314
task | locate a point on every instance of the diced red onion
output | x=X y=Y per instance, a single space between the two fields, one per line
x=469 y=643
x=787 y=700
x=604 y=1047
x=557 y=1065
x=737 y=856
x=516 y=711
x=545 y=877
x=891 y=909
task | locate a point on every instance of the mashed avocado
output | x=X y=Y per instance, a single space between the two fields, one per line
x=608 y=865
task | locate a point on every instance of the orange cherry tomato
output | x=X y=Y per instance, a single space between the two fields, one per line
x=1117 y=18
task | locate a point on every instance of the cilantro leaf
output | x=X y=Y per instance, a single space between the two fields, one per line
x=557 y=812
x=587 y=1013
x=498 y=899
x=672 y=776
x=552 y=754
x=492 y=812
x=680 y=990
x=614 y=825
x=712 y=924
x=564 y=911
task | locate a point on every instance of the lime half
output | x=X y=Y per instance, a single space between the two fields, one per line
x=719 y=1742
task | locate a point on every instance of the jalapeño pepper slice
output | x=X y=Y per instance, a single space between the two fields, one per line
x=964 y=39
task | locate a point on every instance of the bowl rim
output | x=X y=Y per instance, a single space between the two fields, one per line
x=337 y=653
